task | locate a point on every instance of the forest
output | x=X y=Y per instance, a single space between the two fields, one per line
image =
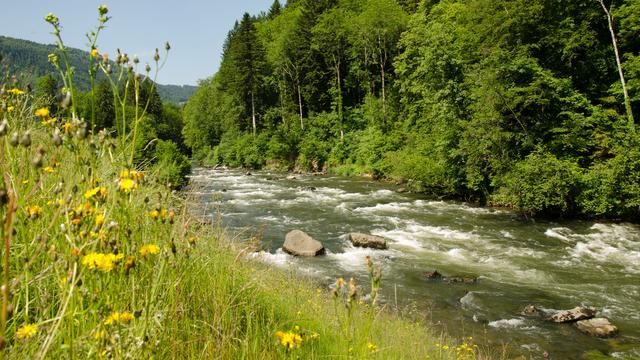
x=512 y=103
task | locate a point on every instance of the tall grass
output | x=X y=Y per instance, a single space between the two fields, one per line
x=102 y=260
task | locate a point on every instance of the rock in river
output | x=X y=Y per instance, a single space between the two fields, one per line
x=600 y=327
x=575 y=314
x=368 y=241
x=433 y=275
x=299 y=243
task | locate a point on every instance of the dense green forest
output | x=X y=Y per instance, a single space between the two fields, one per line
x=29 y=60
x=507 y=102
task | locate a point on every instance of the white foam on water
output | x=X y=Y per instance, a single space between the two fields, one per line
x=609 y=244
x=508 y=323
x=353 y=258
x=279 y=258
x=507 y=234
x=524 y=252
x=560 y=233
x=394 y=207
x=400 y=237
x=458 y=254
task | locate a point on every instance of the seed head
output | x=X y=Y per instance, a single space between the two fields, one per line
x=136 y=60
x=147 y=67
x=13 y=140
x=57 y=138
x=4 y=127
x=26 y=139
x=167 y=46
x=156 y=56
x=103 y=10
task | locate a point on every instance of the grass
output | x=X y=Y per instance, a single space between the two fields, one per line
x=102 y=260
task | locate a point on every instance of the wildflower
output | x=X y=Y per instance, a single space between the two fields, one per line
x=34 y=211
x=103 y=10
x=10 y=108
x=52 y=19
x=15 y=91
x=53 y=59
x=126 y=185
x=445 y=347
x=119 y=317
x=130 y=263
x=99 y=220
x=42 y=112
x=149 y=249
x=94 y=53
x=48 y=169
x=102 y=262
x=99 y=335
x=289 y=340
x=102 y=191
x=67 y=127
x=49 y=121
x=26 y=331
x=372 y=347
x=340 y=283
x=154 y=214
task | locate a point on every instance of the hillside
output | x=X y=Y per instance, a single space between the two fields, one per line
x=28 y=60
x=509 y=103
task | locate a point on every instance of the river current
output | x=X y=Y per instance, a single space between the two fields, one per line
x=553 y=265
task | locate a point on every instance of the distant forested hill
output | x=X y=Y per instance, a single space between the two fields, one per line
x=28 y=59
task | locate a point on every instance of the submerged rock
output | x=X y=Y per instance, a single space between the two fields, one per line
x=433 y=275
x=299 y=243
x=575 y=314
x=460 y=280
x=531 y=310
x=599 y=327
x=368 y=241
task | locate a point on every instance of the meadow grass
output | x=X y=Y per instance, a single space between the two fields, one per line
x=100 y=259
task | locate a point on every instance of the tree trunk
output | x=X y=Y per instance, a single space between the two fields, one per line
x=300 y=104
x=339 y=105
x=627 y=100
x=253 y=113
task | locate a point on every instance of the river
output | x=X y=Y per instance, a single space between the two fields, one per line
x=518 y=261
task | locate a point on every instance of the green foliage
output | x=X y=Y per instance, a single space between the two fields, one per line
x=541 y=183
x=459 y=97
x=171 y=165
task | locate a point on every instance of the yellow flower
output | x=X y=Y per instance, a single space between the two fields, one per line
x=445 y=347
x=99 y=220
x=49 y=121
x=289 y=340
x=34 y=211
x=10 y=108
x=149 y=249
x=371 y=346
x=102 y=262
x=15 y=91
x=94 y=53
x=67 y=127
x=48 y=169
x=42 y=112
x=99 y=335
x=126 y=185
x=119 y=317
x=154 y=214
x=95 y=191
x=26 y=331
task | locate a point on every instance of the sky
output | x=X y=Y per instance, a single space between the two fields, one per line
x=196 y=29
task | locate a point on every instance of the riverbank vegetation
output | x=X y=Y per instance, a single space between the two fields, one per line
x=101 y=259
x=525 y=104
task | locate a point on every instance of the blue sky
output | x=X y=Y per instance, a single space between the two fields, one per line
x=196 y=29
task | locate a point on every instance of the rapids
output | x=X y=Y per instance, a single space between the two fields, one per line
x=554 y=265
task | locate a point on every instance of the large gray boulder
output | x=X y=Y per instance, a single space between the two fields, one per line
x=299 y=243
x=599 y=327
x=575 y=314
x=368 y=241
